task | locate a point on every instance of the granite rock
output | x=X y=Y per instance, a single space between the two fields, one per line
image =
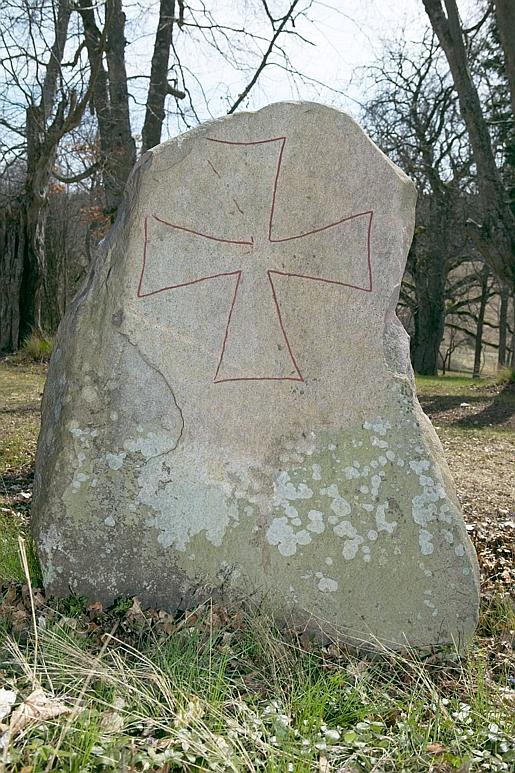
x=230 y=409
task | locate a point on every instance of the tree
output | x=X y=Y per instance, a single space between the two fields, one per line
x=60 y=56
x=496 y=234
x=502 y=357
x=505 y=15
x=413 y=116
x=159 y=86
x=478 y=338
x=498 y=109
x=52 y=109
x=110 y=97
x=111 y=94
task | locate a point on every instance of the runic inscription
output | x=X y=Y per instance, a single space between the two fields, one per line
x=256 y=262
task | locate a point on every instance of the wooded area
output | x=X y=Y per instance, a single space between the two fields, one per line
x=441 y=108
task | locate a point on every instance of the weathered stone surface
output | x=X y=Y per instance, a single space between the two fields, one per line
x=230 y=407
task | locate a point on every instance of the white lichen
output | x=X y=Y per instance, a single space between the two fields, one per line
x=316 y=521
x=351 y=547
x=425 y=541
x=115 y=461
x=317 y=472
x=327 y=585
x=281 y=534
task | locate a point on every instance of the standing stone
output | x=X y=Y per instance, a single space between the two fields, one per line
x=230 y=408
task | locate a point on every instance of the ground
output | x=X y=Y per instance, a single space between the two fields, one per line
x=475 y=421
x=88 y=689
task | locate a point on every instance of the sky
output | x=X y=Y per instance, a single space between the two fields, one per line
x=339 y=40
x=346 y=36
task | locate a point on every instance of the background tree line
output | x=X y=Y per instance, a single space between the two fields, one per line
x=441 y=108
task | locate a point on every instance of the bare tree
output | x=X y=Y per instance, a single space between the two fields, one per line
x=478 y=348
x=159 y=86
x=496 y=234
x=52 y=109
x=413 y=116
x=505 y=15
x=502 y=356
x=66 y=55
x=110 y=97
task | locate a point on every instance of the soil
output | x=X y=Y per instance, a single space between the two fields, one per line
x=477 y=433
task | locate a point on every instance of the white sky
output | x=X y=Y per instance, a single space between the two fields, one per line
x=347 y=35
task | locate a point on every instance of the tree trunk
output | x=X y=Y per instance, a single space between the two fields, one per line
x=42 y=140
x=428 y=265
x=502 y=356
x=429 y=276
x=158 y=88
x=478 y=350
x=110 y=99
x=41 y=153
x=497 y=233
x=512 y=358
x=122 y=146
x=505 y=15
x=11 y=269
x=32 y=226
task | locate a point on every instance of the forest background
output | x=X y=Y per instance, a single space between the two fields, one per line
x=86 y=87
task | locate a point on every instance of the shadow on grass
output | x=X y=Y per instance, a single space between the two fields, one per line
x=500 y=411
x=480 y=411
x=16 y=409
x=16 y=477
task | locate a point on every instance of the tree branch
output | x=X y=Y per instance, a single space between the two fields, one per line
x=78 y=177
x=264 y=60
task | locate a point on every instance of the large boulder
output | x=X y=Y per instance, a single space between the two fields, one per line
x=230 y=408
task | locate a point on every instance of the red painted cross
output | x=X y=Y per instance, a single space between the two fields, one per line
x=254 y=347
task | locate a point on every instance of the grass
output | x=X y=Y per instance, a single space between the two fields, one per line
x=459 y=405
x=12 y=525
x=450 y=383
x=127 y=690
x=247 y=697
x=460 y=383
x=21 y=387
x=37 y=347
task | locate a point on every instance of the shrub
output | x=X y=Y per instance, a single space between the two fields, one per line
x=505 y=376
x=38 y=347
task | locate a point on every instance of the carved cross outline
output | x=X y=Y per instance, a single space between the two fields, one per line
x=249 y=243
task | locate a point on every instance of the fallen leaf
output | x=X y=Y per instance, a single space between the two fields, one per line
x=112 y=721
x=323 y=764
x=95 y=609
x=38 y=707
x=436 y=748
x=135 y=613
x=7 y=700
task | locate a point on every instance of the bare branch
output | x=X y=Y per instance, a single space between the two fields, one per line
x=264 y=60
x=78 y=177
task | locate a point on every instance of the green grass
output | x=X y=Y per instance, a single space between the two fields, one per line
x=21 y=386
x=37 y=347
x=460 y=406
x=221 y=692
x=454 y=384
x=182 y=702
x=11 y=527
